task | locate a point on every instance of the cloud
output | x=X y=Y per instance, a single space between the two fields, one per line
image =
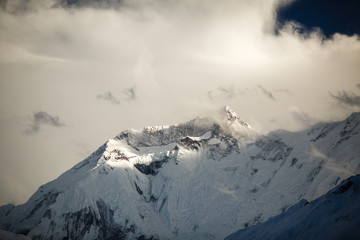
x=130 y=93
x=347 y=98
x=106 y=4
x=230 y=91
x=108 y=96
x=126 y=95
x=17 y=7
x=43 y=118
x=302 y=118
x=266 y=92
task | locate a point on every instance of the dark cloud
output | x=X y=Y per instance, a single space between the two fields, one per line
x=105 y=4
x=358 y=85
x=266 y=92
x=43 y=118
x=130 y=93
x=108 y=96
x=23 y=6
x=229 y=92
x=26 y=6
x=126 y=95
x=347 y=98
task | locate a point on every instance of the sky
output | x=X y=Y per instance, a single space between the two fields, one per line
x=76 y=73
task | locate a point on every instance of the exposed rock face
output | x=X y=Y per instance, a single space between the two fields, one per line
x=202 y=179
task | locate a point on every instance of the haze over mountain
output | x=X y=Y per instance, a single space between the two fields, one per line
x=201 y=179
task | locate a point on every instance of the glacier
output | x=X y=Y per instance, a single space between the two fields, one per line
x=202 y=179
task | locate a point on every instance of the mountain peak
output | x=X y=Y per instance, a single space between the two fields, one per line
x=226 y=119
x=231 y=117
x=230 y=114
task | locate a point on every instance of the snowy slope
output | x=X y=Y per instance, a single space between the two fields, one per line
x=202 y=179
x=335 y=215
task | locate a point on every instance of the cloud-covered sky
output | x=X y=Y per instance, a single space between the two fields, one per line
x=75 y=73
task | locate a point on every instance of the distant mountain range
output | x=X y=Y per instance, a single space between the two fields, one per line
x=202 y=179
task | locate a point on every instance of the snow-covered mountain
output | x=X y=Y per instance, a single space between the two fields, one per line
x=202 y=179
x=335 y=215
